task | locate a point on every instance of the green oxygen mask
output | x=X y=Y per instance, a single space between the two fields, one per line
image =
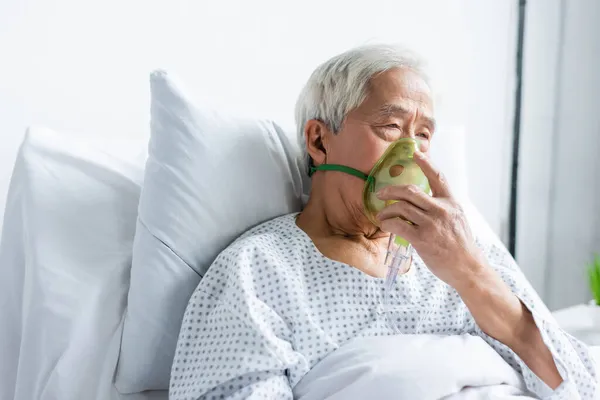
x=395 y=167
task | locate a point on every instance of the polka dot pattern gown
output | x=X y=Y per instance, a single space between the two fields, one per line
x=272 y=306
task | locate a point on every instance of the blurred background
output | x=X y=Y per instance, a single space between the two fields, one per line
x=528 y=102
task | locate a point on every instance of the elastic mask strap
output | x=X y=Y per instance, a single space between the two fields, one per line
x=342 y=168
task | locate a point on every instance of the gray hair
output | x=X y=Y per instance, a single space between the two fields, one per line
x=339 y=85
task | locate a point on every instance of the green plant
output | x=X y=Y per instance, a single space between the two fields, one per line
x=594 y=275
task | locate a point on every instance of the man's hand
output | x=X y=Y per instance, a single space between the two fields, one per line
x=440 y=232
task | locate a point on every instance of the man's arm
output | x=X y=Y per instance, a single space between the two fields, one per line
x=501 y=315
x=220 y=355
x=554 y=365
x=233 y=345
x=505 y=308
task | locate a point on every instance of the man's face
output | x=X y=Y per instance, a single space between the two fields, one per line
x=398 y=105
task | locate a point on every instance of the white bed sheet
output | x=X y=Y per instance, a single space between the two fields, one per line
x=414 y=367
x=596 y=354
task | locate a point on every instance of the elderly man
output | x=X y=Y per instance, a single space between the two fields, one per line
x=266 y=312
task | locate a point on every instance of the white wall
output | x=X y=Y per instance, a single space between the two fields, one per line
x=82 y=66
x=490 y=95
x=559 y=180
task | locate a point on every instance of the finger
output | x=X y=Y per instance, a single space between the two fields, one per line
x=411 y=193
x=405 y=210
x=400 y=228
x=437 y=181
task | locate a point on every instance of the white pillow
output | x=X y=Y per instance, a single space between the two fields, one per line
x=65 y=256
x=209 y=177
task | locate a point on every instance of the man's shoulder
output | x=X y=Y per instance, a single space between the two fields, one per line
x=273 y=229
x=268 y=242
x=267 y=254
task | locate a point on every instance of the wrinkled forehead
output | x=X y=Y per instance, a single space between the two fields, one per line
x=398 y=89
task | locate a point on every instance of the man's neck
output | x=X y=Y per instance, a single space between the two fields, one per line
x=326 y=215
x=344 y=234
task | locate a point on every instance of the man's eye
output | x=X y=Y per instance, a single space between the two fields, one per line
x=393 y=126
x=424 y=135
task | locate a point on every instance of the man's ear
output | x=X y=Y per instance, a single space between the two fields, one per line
x=315 y=134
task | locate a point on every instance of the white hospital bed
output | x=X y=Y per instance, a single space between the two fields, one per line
x=64 y=268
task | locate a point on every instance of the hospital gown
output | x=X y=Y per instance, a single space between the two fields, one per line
x=272 y=306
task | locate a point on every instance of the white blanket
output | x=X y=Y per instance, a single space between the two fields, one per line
x=413 y=367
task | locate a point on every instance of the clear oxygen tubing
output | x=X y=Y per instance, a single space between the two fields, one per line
x=398 y=259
